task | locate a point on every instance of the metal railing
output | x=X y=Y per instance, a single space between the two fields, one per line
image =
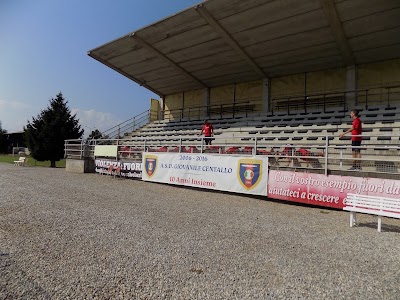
x=391 y=93
x=362 y=98
x=223 y=109
x=324 y=157
x=132 y=124
x=365 y=98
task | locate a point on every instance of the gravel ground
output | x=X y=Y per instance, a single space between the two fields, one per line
x=87 y=236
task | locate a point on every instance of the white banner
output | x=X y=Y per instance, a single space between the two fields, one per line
x=246 y=174
x=331 y=191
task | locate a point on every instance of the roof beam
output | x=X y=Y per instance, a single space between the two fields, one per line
x=328 y=6
x=141 y=83
x=168 y=60
x=228 y=39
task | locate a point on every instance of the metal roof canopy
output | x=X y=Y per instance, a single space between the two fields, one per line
x=222 y=42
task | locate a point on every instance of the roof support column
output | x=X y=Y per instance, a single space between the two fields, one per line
x=351 y=86
x=162 y=105
x=206 y=103
x=266 y=93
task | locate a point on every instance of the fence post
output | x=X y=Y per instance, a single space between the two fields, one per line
x=388 y=96
x=255 y=146
x=180 y=145
x=81 y=152
x=341 y=159
x=288 y=101
x=326 y=155
x=93 y=147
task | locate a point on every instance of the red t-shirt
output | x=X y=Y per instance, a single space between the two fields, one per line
x=288 y=150
x=357 y=130
x=207 y=129
x=304 y=152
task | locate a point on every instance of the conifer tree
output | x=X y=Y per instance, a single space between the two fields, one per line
x=46 y=134
x=3 y=141
x=95 y=134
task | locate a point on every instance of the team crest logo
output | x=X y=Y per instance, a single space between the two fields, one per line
x=150 y=164
x=249 y=172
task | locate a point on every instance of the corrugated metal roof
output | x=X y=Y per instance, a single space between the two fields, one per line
x=228 y=41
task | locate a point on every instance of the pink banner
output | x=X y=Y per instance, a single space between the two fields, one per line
x=331 y=191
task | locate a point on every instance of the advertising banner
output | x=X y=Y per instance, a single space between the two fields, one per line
x=218 y=172
x=331 y=191
x=128 y=169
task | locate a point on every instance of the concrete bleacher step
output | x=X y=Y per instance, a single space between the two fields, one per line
x=302 y=127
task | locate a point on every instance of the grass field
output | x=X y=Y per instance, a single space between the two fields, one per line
x=31 y=161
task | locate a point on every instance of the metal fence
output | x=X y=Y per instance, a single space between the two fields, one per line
x=128 y=126
x=324 y=157
x=361 y=98
x=222 y=109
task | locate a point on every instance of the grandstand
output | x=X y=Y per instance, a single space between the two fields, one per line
x=276 y=79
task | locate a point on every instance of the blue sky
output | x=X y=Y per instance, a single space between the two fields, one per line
x=43 y=51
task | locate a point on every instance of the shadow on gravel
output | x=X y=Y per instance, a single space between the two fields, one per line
x=385 y=227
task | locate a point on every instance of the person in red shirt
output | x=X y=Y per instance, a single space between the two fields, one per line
x=356 y=138
x=208 y=132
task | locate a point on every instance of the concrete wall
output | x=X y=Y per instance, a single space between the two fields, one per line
x=80 y=165
x=325 y=81
x=192 y=102
x=173 y=103
x=222 y=94
x=287 y=85
x=308 y=83
x=155 y=108
x=250 y=91
x=373 y=76
x=376 y=76
x=240 y=92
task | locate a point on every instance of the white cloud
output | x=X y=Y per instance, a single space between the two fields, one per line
x=14 y=114
x=13 y=105
x=92 y=119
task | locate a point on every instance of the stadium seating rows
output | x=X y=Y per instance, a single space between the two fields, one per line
x=305 y=133
x=380 y=125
